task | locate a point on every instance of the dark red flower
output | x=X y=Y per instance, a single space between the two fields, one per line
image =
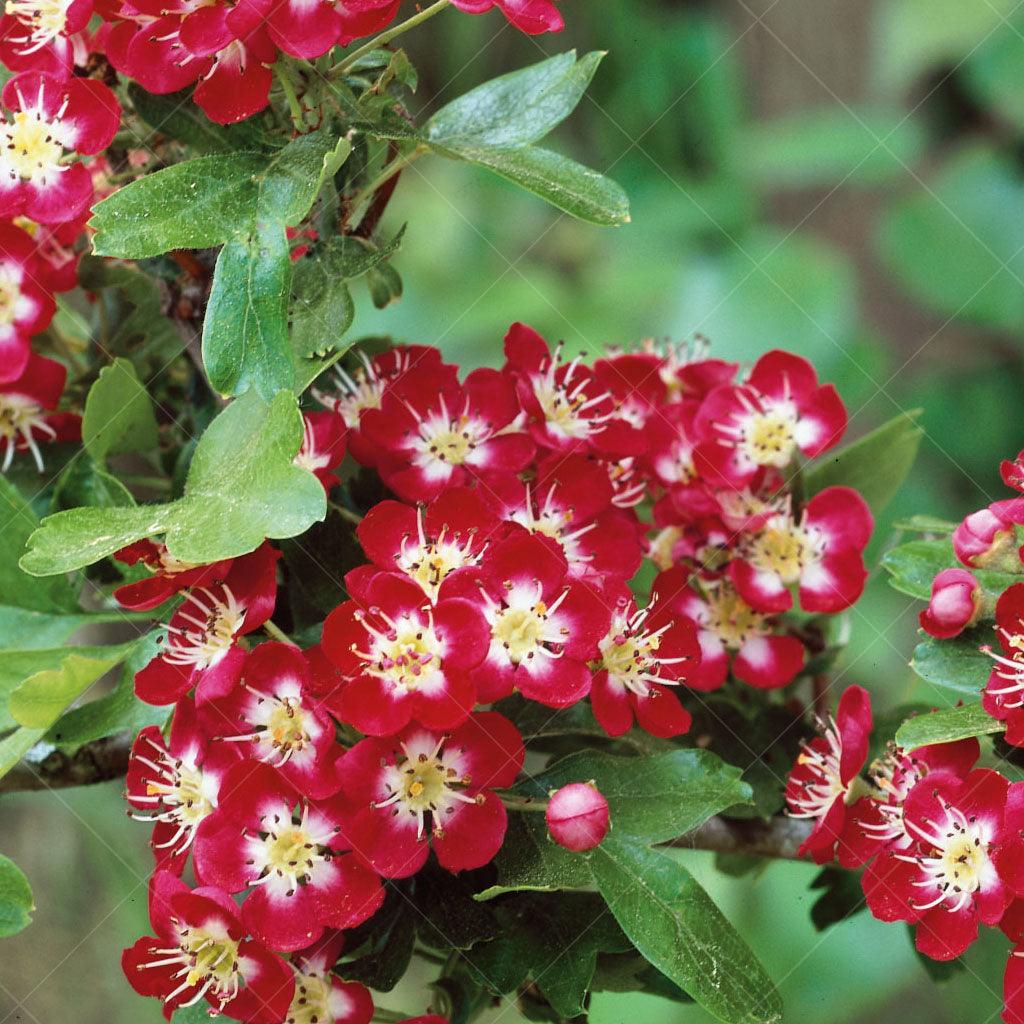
x=1012 y=472
x=424 y=789
x=530 y=16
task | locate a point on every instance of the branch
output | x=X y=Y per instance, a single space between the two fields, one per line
x=107 y=759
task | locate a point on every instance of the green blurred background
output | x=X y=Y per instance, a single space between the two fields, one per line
x=841 y=179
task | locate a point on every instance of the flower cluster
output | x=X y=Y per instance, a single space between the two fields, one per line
x=525 y=499
x=941 y=838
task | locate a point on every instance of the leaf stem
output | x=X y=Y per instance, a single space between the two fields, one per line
x=346 y=513
x=298 y=119
x=385 y=37
x=277 y=633
x=523 y=803
x=396 y=166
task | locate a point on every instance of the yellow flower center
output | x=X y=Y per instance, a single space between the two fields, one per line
x=520 y=631
x=32 y=151
x=732 y=619
x=310 y=1004
x=769 y=438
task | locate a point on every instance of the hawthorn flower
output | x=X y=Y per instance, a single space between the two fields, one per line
x=779 y=411
x=643 y=652
x=954 y=605
x=201 y=649
x=26 y=415
x=53 y=120
x=731 y=634
x=987 y=539
x=200 y=951
x=947 y=883
x=424 y=789
x=169 y=575
x=289 y=855
x=273 y=716
x=819 y=783
x=577 y=816
x=26 y=307
x=321 y=997
x=822 y=552
x=433 y=439
x=1003 y=696
x=323 y=446
x=404 y=659
x=543 y=626
x=35 y=34
x=432 y=541
x=1012 y=472
x=531 y=16
x=175 y=784
x=568 y=408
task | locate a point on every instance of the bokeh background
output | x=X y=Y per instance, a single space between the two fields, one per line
x=842 y=179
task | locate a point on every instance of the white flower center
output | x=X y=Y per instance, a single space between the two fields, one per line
x=311 y=1002
x=280 y=727
x=211 y=636
x=825 y=783
x=288 y=850
x=19 y=418
x=428 y=560
x=44 y=20
x=208 y=958
x=768 y=438
x=405 y=652
x=33 y=147
x=630 y=653
x=732 y=619
x=568 y=410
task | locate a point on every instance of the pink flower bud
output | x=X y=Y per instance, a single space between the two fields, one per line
x=986 y=539
x=577 y=816
x=956 y=597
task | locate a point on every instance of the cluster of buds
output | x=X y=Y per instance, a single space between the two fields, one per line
x=941 y=838
x=294 y=782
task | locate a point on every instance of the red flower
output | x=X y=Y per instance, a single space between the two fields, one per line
x=170 y=576
x=569 y=408
x=176 y=784
x=424 y=788
x=530 y=16
x=955 y=603
x=201 y=649
x=25 y=419
x=876 y=823
x=987 y=540
x=433 y=439
x=822 y=552
x=54 y=120
x=577 y=816
x=728 y=627
x=404 y=659
x=947 y=883
x=275 y=717
x=544 y=627
x=1003 y=696
x=780 y=410
x=34 y=34
x=321 y=996
x=323 y=446
x=642 y=653
x=430 y=542
x=820 y=780
x=200 y=952
x=1013 y=472
x=26 y=307
x=287 y=852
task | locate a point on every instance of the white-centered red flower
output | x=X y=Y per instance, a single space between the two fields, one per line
x=175 y=784
x=27 y=415
x=644 y=651
x=1003 y=696
x=947 y=883
x=425 y=789
x=432 y=439
x=321 y=997
x=403 y=658
x=201 y=952
x=544 y=627
x=323 y=446
x=577 y=816
x=201 y=648
x=955 y=604
x=35 y=35
x=26 y=306
x=821 y=553
x=52 y=121
x=818 y=786
x=289 y=855
x=779 y=412
x=169 y=575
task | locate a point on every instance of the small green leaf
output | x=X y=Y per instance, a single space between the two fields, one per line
x=913 y=566
x=39 y=700
x=518 y=108
x=242 y=486
x=946 y=726
x=956 y=665
x=672 y=921
x=322 y=309
x=876 y=465
x=16 y=903
x=118 y=414
x=446 y=915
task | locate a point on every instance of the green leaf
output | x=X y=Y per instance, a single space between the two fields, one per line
x=876 y=465
x=993 y=71
x=947 y=725
x=955 y=246
x=673 y=923
x=16 y=903
x=392 y=935
x=83 y=482
x=27 y=629
x=242 y=486
x=446 y=915
x=39 y=700
x=652 y=798
x=322 y=309
x=841 y=897
x=567 y=185
x=553 y=940
x=197 y=1014
x=913 y=566
x=518 y=108
x=955 y=665
x=925 y=524
x=118 y=414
